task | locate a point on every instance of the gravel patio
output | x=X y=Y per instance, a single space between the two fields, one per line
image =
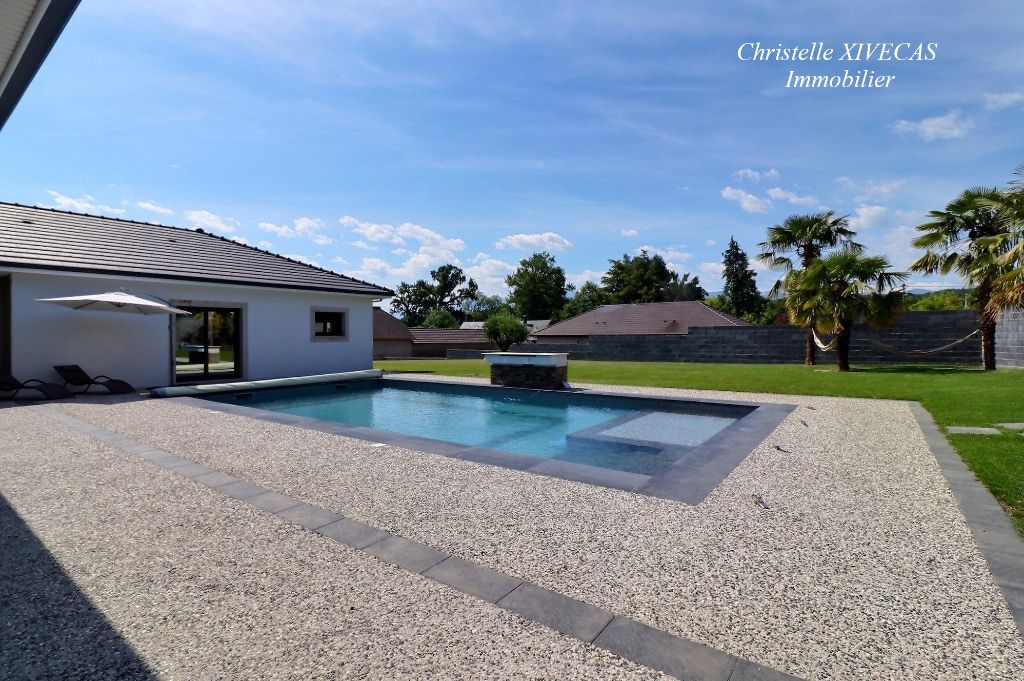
x=835 y=550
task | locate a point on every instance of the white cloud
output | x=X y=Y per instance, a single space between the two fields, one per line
x=363 y=245
x=83 y=204
x=338 y=260
x=867 y=216
x=950 y=126
x=629 y=232
x=1003 y=100
x=153 y=207
x=710 y=242
x=240 y=240
x=310 y=228
x=580 y=278
x=748 y=202
x=712 y=269
x=673 y=257
x=210 y=221
x=372 y=231
x=301 y=258
x=780 y=194
x=265 y=245
x=546 y=241
x=490 y=272
x=400 y=251
x=757 y=175
x=871 y=190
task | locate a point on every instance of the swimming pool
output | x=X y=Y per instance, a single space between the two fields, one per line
x=654 y=445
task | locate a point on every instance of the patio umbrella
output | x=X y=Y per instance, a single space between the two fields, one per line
x=117 y=301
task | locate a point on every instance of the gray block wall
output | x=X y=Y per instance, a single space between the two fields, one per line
x=785 y=344
x=1010 y=340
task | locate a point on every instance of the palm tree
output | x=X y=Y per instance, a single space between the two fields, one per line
x=842 y=288
x=964 y=238
x=806 y=237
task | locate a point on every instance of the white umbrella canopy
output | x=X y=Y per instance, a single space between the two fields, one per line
x=117 y=301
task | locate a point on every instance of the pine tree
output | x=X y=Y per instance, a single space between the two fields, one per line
x=740 y=294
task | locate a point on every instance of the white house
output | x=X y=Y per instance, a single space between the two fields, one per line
x=253 y=314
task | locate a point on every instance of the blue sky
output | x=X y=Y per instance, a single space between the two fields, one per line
x=382 y=139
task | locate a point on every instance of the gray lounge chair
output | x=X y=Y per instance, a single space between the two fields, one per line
x=75 y=376
x=50 y=391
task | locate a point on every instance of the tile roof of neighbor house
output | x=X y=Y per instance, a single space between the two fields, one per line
x=448 y=336
x=642 y=319
x=389 y=327
x=45 y=238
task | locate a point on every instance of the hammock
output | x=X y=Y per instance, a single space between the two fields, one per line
x=900 y=351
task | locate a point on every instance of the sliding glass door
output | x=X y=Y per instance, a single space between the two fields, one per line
x=207 y=344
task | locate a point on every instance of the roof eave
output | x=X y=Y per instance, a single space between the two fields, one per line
x=49 y=21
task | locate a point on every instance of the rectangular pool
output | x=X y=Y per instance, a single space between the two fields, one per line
x=578 y=434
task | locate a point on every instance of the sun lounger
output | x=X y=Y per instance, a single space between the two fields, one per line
x=75 y=376
x=51 y=391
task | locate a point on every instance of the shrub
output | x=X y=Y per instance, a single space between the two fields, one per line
x=504 y=331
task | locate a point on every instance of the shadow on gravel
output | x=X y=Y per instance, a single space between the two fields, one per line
x=48 y=628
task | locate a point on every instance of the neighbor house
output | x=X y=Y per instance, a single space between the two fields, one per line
x=391 y=337
x=437 y=342
x=251 y=314
x=638 y=319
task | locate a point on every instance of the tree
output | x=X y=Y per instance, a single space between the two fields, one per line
x=807 y=237
x=640 y=279
x=588 y=297
x=482 y=307
x=841 y=288
x=504 y=330
x=448 y=289
x=537 y=289
x=740 y=293
x=964 y=238
x=684 y=288
x=440 y=318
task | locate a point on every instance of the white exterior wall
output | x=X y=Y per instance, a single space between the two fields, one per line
x=276 y=329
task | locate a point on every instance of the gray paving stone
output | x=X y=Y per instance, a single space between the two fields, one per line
x=406 y=554
x=972 y=430
x=561 y=613
x=1011 y=426
x=272 y=501
x=750 y=671
x=193 y=470
x=170 y=461
x=473 y=579
x=664 y=652
x=215 y=479
x=241 y=489
x=310 y=517
x=353 y=533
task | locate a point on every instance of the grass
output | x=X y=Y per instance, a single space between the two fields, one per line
x=955 y=396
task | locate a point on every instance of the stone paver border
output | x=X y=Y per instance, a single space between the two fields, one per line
x=620 y=635
x=972 y=430
x=690 y=479
x=994 y=533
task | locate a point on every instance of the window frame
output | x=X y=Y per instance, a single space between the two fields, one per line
x=325 y=338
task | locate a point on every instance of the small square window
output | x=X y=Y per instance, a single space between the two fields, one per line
x=328 y=324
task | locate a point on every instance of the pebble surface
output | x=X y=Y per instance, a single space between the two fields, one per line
x=116 y=569
x=834 y=551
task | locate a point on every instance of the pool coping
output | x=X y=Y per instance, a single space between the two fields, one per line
x=998 y=541
x=689 y=479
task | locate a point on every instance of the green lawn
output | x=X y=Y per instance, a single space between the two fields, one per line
x=955 y=396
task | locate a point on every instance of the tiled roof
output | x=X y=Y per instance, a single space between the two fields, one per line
x=44 y=238
x=641 y=319
x=389 y=327
x=448 y=335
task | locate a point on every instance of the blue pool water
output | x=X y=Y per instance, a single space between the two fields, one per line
x=537 y=424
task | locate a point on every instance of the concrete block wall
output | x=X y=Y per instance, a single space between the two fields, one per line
x=1010 y=340
x=785 y=344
